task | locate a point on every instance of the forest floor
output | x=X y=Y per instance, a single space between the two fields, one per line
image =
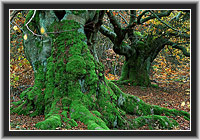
x=174 y=95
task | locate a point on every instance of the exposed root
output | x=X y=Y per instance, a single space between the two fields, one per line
x=51 y=123
x=162 y=122
x=133 y=105
x=30 y=102
x=80 y=112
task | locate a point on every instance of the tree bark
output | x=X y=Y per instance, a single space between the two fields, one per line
x=70 y=83
x=136 y=71
x=142 y=49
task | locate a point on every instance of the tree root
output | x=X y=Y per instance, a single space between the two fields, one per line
x=162 y=122
x=80 y=112
x=30 y=103
x=106 y=115
x=133 y=105
x=51 y=123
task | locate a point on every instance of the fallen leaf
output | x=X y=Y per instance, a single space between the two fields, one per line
x=183 y=103
x=15 y=27
x=25 y=37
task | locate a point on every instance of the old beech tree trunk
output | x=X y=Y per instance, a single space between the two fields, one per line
x=139 y=52
x=69 y=81
x=136 y=69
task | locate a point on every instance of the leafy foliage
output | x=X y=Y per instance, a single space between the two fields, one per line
x=20 y=69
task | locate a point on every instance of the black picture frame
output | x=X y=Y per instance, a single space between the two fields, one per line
x=97 y=5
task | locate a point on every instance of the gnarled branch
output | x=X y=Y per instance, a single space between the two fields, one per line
x=164 y=22
x=164 y=14
x=176 y=46
x=111 y=35
x=116 y=25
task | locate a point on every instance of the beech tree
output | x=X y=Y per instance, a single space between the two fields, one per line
x=69 y=80
x=146 y=39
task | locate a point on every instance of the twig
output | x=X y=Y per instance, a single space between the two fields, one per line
x=31 y=18
x=29 y=22
x=164 y=22
x=123 y=18
x=14 y=13
x=17 y=26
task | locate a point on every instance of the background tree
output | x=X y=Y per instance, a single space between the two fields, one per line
x=69 y=80
x=147 y=32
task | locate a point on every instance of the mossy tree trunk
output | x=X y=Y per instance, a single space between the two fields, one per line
x=139 y=47
x=136 y=71
x=136 y=68
x=70 y=83
x=139 y=56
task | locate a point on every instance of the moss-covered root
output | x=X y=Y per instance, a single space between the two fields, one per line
x=51 y=123
x=92 y=120
x=32 y=99
x=52 y=116
x=134 y=105
x=30 y=103
x=155 y=121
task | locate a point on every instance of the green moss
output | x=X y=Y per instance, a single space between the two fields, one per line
x=34 y=22
x=70 y=122
x=186 y=118
x=76 y=66
x=51 y=123
x=54 y=108
x=29 y=15
x=134 y=105
x=32 y=98
x=17 y=103
x=80 y=112
x=23 y=94
x=93 y=126
x=66 y=101
x=154 y=86
x=165 y=123
x=71 y=63
x=116 y=89
x=78 y=12
x=107 y=100
x=100 y=74
x=124 y=73
x=97 y=113
x=19 y=109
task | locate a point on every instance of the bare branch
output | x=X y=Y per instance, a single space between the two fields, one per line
x=141 y=15
x=123 y=18
x=31 y=17
x=132 y=22
x=115 y=23
x=133 y=17
x=29 y=22
x=13 y=14
x=184 y=35
x=140 y=21
x=176 y=46
x=17 y=26
x=176 y=17
x=113 y=20
x=111 y=35
x=164 y=22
